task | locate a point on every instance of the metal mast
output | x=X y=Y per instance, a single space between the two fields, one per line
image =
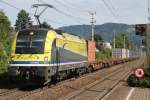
x=114 y=39
x=148 y=36
x=92 y=24
x=124 y=42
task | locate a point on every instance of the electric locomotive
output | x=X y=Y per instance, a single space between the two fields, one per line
x=39 y=55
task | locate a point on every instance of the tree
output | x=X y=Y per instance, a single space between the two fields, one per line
x=119 y=41
x=104 y=53
x=23 y=20
x=4 y=26
x=98 y=38
x=5 y=41
x=46 y=25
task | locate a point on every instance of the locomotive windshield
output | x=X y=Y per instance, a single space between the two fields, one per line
x=31 y=42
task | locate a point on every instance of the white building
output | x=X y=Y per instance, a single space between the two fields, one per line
x=107 y=45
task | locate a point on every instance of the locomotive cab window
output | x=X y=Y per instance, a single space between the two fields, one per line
x=31 y=42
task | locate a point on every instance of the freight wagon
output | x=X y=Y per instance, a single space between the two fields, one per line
x=120 y=53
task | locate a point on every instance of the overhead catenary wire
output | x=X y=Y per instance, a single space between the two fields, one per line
x=111 y=5
x=74 y=18
x=113 y=8
x=67 y=7
x=109 y=8
x=79 y=7
x=76 y=6
x=66 y=4
x=10 y=5
x=111 y=11
x=68 y=15
x=73 y=6
x=4 y=2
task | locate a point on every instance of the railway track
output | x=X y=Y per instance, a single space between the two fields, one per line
x=7 y=91
x=96 y=90
x=82 y=77
x=100 y=88
x=103 y=76
x=17 y=94
x=49 y=94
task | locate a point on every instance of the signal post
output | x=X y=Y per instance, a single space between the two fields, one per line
x=148 y=37
x=143 y=30
x=148 y=45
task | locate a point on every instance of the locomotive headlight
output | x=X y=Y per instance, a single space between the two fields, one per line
x=31 y=38
x=17 y=72
x=31 y=33
x=46 y=58
x=27 y=75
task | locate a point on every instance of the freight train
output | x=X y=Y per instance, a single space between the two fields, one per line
x=42 y=55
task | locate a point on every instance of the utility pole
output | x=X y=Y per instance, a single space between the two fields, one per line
x=114 y=39
x=124 y=42
x=130 y=43
x=148 y=36
x=93 y=21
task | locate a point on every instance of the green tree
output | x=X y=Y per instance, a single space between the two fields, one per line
x=46 y=25
x=98 y=38
x=23 y=19
x=5 y=41
x=105 y=53
x=119 y=41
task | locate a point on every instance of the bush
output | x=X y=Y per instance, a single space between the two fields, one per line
x=5 y=41
x=103 y=54
x=140 y=82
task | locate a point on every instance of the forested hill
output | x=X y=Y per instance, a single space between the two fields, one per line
x=105 y=30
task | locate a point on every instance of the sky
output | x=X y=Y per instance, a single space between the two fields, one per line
x=76 y=12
